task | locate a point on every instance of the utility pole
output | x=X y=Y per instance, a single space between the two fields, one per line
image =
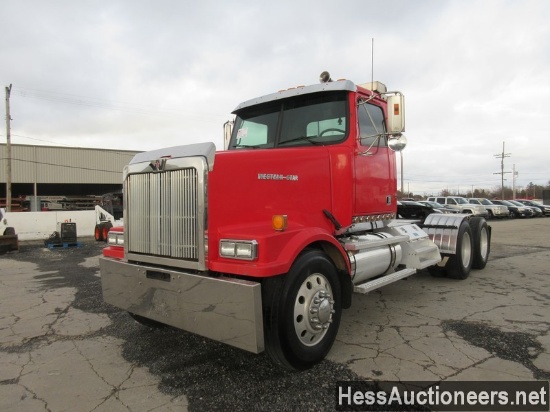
x=8 y=150
x=502 y=172
x=514 y=174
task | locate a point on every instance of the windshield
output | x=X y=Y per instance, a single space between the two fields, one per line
x=313 y=119
x=486 y=202
x=461 y=201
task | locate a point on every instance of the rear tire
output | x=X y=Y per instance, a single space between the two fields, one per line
x=98 y=232
x=482 y=242
x=302 y=311
x=459 y=265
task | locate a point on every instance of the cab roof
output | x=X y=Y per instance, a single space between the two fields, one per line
x=300 y=90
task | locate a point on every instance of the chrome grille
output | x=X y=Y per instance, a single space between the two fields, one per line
x=161 y=214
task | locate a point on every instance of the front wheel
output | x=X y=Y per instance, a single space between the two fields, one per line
x=302 y=311
x=105 y=230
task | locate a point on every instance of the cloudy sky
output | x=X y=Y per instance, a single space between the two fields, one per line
x=139 y=75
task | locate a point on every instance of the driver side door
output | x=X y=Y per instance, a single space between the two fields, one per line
x=375 y=175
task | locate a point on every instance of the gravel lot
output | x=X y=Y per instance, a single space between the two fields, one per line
x=63 y=349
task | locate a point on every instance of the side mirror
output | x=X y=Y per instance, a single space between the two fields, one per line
x=397 y=142
x=227 y=130
x=396 y=113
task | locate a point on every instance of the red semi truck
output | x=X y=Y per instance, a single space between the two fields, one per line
x=261 y=246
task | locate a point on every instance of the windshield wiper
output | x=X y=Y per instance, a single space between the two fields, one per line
x=306 y=138
x=246 y=146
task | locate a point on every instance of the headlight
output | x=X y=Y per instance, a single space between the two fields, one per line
x=239 y=249
x=115 y=238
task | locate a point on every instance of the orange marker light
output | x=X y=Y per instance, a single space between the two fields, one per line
x=279 y=222
x=396 y=109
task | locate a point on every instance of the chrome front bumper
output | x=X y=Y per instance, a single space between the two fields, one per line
x=223 y=309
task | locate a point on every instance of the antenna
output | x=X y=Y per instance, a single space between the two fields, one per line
x=372 y=64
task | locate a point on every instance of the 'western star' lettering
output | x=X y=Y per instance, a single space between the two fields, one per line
x=276 y=176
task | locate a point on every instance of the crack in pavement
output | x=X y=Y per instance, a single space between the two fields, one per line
x=517 y=347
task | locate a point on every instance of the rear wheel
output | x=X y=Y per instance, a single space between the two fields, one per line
x=459 y=265
x=302 y=311
x=482 y=242
x=98 y=232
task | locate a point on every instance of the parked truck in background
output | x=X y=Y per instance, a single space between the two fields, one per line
x=261 y=246
x=495 y=211
x=461 y=205
x=9 y=241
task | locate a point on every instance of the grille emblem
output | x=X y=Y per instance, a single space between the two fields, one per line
x=158 y=165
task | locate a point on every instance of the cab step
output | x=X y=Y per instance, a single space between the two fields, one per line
x=371 y=285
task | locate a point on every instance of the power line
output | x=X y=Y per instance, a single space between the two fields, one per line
x=66 y=166
x=86 y=101
x=72 y=146
x=40 y=140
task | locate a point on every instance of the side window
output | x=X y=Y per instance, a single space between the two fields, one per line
x=251 y=134
x=327 y=127
x=452 y=201
x=441 y=200
x=371 y=124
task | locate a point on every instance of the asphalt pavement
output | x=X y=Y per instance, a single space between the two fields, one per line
x=63 y=349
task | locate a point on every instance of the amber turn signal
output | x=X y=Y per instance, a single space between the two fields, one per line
x=279 y=222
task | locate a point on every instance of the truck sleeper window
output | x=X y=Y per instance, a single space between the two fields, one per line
x=315 y=119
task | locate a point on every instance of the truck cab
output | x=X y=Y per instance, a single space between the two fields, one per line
x=261 y=245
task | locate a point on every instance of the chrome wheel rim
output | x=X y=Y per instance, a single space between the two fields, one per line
x=313 y=309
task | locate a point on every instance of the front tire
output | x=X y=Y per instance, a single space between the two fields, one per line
x=105 y=231
x=302 y=311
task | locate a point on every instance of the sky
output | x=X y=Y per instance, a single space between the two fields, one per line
x=141 y=75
